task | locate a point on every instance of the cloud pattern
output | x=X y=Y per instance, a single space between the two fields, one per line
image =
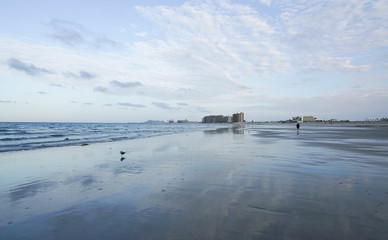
x=81 y=75
x=125 y=84
x=163 y=105
x=27 y=68
x=74 y=34
x=231 y=54
x=124 y=104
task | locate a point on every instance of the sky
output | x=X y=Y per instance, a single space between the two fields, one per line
x=132 y=61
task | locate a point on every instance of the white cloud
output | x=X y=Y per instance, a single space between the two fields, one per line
x=266 y=2
x=74 y=34
x=344 y=30
x=321 y=62
x=28 y=68
x=212 y=47
x=125 y=84
x=125 y=104
x=81 y=75
x=163 y=105
x=141 y=34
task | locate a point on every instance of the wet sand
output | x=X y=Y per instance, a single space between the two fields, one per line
x=261 y=182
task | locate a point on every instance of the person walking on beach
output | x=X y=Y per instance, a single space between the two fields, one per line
x=297 y=126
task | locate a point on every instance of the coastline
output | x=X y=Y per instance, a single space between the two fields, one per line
x=16 y=136
x=240 y=183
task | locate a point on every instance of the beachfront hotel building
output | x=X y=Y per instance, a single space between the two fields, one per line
x=304 y=118
x=237 y=117
x=216 y=119
x=309 y=118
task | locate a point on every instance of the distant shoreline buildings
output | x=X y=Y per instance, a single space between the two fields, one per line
x=236 y=117
x=304 y=118
x=312 y=119
x=239 y=118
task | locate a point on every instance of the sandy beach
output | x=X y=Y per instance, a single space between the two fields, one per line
x=257 y=182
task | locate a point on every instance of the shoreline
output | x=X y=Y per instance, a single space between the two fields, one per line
x=31 y=136
x=220 y=125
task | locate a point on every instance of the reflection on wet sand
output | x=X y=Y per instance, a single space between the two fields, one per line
x=128 y=170
x=30 y=189
x=235 y=129
x=266 y=183
x=85 y=181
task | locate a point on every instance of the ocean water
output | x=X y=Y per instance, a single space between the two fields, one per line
x=18 y=136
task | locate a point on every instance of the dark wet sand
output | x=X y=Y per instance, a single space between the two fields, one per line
x=262 y=182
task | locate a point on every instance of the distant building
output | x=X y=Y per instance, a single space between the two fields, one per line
x=304 y=118
x=238 y=117
x=309 y=118
x=216 y=119
x=297 y=118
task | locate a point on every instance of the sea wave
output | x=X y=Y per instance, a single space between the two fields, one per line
x=29 y=136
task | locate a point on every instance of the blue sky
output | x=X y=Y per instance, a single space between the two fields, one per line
x=131 y=61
